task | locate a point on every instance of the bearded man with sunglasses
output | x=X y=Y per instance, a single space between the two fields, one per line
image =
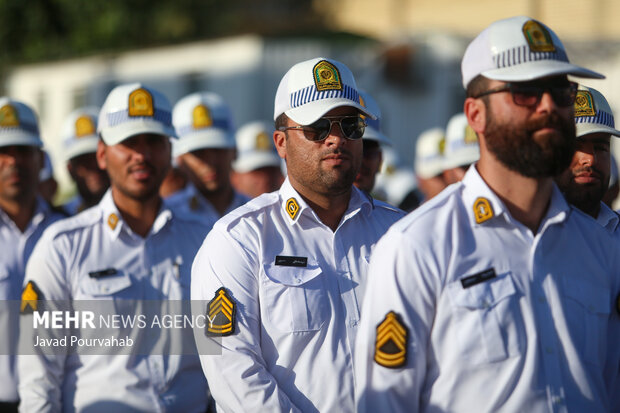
x=497 y=295
x=285 y=273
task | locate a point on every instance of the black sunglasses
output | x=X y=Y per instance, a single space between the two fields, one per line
x=529 y=94
x=352 y=128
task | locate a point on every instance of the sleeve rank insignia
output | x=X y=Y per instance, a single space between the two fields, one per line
x=292 y=208
x=584 y=104
x=221 y=314
x=30 y=296
x=140 y=103
x=391 y=342
x=483 y=211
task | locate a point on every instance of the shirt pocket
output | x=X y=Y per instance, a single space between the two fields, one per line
x=487 y=315
x=118 y=285
x=295 y=298
x=587 y=315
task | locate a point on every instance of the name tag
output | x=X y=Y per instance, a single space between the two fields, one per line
x=478 y=278
x=103 y=273
x=288 y=261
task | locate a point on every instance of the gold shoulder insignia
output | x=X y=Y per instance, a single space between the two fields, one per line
x=538 y=38
x=470 y=135
x=326 y=76
x=112 y=221
x=84 y=126
x=292 y=208
x=391 y=342
x=30 y=296
x=483 y=211
x=140 y=103
x=584 y=104
x=262 y=142
x=8 y=116
x=201 y=117
x=221 y=314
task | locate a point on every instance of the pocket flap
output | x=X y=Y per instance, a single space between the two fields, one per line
x=483 y=295
x=292 y=276
x=107 y=285
x=592 y=297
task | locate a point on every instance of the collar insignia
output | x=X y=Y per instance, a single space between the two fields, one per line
x=140 y=103
x=84 y=126
x=584 y=104
x=8 y=116
x=30 y=296
x=112 y=221
x=326 y=76
x=221 y=316
x=391 y=342
x=538 y=38
x=201 y=117
x=483 y=211
x=292 y=208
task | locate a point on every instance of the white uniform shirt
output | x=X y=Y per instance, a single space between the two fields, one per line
x=539 y=335
x=156 y=267
x=191 y=202
x=16 y=247
x=295 y=323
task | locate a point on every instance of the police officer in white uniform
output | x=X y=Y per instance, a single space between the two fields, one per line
x=585 y=182
x=497 y=295
x=23 y=217
x=205 y=151
x=129 y=246
x=285 y=273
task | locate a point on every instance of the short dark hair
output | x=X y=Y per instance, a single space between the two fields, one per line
x=281 y=121
x=477 y=85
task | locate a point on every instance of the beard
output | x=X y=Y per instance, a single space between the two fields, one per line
x=520 y=151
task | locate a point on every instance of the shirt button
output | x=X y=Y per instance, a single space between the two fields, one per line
x=353 y=323
x=105 y=289
x=298 y=280
x=541 y=299
x=549 y=350
x=591 y=308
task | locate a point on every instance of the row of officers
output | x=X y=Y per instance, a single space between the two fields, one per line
x=501 y=293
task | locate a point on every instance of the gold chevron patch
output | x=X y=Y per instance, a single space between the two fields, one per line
x=483 y=211
x=30 y=296
x=391 y=342
x=221 y=315
x=292 y=208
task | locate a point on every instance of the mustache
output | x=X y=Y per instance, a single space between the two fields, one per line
x=552 y=120
x=588 y=170
x=337 y=151
x=141 y=165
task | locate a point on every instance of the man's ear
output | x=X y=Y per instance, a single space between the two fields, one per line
x=280 y=141
x=475 y=110
x=101 y=149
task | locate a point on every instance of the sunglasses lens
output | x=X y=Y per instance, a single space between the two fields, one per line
x=319 y=130
x=529 y=95
x=564 y=96
x=352 y=128
x=526 y=95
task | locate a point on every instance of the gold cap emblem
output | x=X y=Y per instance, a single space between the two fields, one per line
x=326 y=76
x=391 y=342
x=201 y=117
x=8 y=116
x=262 y=142
x=584 y=104
x=84 y=126
x=221 y=318
x=112 y=221
x=483 y=211
x=442 y=145
x=292 y=208
x=30 y=296
x=537 y=36
x=140 y=103
x=470 y=135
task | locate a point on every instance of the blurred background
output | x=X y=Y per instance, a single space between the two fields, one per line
x=58 y=55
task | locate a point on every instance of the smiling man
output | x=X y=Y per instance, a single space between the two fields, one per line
x=285 y=272
x=585 y=182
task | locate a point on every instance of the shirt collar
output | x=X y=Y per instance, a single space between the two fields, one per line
x=484 y=206
x=41 y=211
x=608 y=218
x=113 y=220
x=294 y=205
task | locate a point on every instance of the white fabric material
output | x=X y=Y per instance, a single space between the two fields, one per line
x=429 y=153
x=295 y=329
x=255 y=147
x=77 y=136
x=16 y=249
x=459 y=151
x=501 y=52
x=19 y=124
x=540 y=336
x=156 y=267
